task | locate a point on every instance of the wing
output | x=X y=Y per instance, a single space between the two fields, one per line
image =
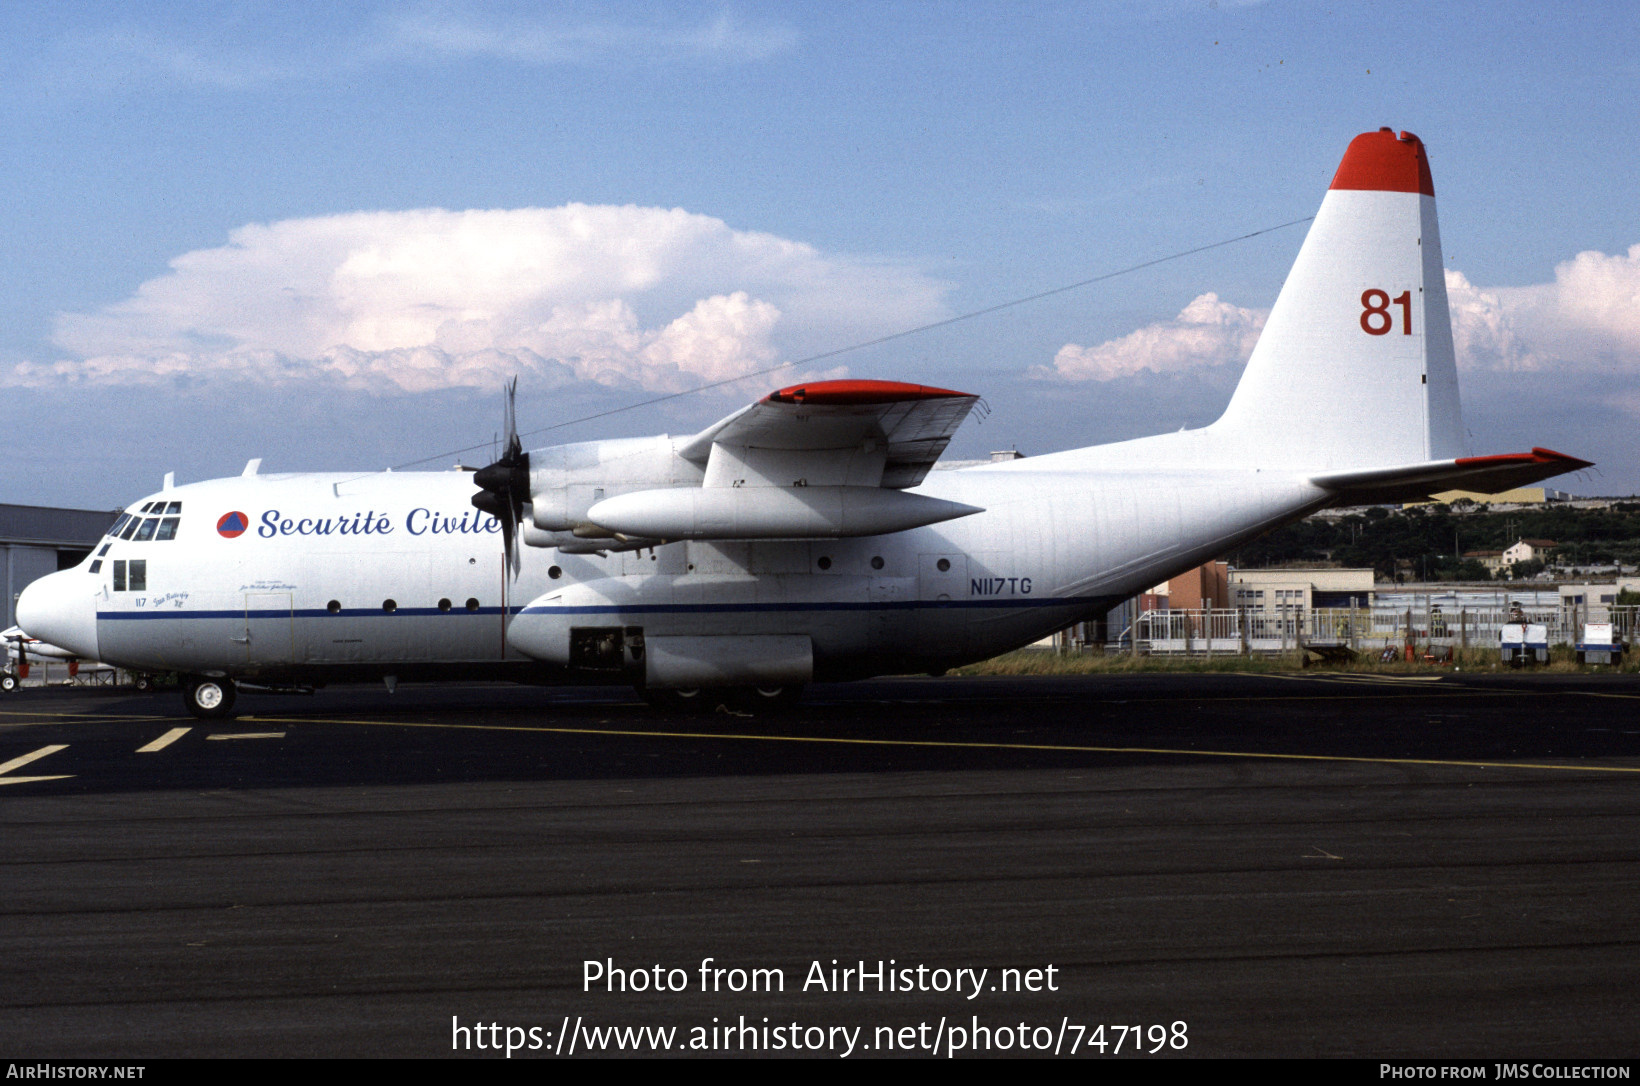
x=854 y=433
x=820 y=460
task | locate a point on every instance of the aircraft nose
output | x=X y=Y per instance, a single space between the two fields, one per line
x=60 y=609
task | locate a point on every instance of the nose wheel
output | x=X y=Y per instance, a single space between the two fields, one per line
x=208 y=699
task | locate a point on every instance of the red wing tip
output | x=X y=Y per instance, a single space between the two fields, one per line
x=1536 y=456
x=858 y=392
x=1549 y=456
x=1381 y=161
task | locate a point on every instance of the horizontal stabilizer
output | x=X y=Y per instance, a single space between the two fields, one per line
x=1415 y=482
x=766 y=512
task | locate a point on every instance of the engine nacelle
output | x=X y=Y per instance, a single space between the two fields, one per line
x=567 y=480
x=770 y=512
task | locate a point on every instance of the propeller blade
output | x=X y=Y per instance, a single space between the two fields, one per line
x=504 y=486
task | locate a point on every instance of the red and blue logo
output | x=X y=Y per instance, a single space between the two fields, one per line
x=232 y=525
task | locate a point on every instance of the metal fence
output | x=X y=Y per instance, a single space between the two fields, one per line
x=1362 y=629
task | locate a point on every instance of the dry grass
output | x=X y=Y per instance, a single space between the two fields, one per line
x=1033 y=661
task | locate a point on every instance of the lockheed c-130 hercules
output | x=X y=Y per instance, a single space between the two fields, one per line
x=804 y=537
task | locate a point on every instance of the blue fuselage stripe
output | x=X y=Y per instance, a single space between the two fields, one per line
x=608 y=609
x=306 y=612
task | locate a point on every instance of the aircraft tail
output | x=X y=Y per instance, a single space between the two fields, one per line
x=1355 y=366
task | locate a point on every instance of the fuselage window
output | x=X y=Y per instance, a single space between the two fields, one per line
x=119 y=575
x=167 y=528
x=390 y=606
x=131 y=528
x=443 y=605
x=145 y=531
x=334 y=607
x=472 y=604
x=139 y=575
x=114 y=529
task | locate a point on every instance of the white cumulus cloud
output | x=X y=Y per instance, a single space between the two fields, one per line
x=1207 y=332
x=427 y=299
x=1483 y=333
x=1584 y=326
x=1586 y=321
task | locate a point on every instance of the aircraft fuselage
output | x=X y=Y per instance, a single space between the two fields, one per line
x=309 y=577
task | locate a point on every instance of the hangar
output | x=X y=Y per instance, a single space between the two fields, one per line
x=36 y=540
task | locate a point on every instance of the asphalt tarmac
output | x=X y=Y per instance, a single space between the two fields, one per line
x=1203 y=865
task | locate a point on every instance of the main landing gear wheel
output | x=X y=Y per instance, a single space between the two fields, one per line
x=8 y=682
x=208 y=699
x=740 y=700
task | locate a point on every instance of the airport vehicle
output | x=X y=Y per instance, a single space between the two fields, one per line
x=804 y=537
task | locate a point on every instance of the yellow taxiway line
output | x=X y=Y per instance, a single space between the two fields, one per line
x=23 y=760
x=947 y=744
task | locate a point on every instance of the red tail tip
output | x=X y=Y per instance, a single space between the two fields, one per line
x=1381 y=161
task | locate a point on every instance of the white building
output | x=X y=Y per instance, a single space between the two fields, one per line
x=1276 y=590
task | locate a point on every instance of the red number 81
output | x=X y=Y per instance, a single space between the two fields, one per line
x=1375 y=317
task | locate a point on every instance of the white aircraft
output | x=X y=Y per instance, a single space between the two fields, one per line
x=804 y=537
x=20 y=647
x=23 y=651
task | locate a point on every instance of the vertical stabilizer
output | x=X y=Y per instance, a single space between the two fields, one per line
x=1355 y=366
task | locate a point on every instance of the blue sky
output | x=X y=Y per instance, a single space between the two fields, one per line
x=324 y=234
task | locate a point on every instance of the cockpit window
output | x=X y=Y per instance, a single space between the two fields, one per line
x=135 y=526
x=138 y=579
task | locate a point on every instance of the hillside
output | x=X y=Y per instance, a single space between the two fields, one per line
x=1426 y=542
